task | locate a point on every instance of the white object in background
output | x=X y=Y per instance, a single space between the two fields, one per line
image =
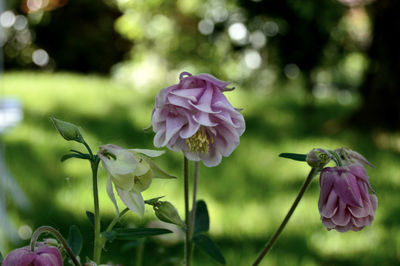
x=10 y=113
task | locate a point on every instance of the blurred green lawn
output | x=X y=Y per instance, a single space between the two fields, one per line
x=248 y=194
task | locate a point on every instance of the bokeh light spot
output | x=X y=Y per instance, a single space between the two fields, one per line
x=40 y=57
x=206 y=26
x=7 y=19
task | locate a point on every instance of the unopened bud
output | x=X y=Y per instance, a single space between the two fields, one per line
x=166 y=212
x=318 y=158
x=67 y=130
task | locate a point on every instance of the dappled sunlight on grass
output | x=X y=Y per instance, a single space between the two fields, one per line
x=247 y=195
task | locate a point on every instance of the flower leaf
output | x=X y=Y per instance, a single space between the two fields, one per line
x=208 y=246
x=75 y=239
x=202 y=220
x=294 y=156
x=134 y=233
x=75 y=155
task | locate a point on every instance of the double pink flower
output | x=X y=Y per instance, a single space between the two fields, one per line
x=195 y=117
x=41 y=256
x=345 y=202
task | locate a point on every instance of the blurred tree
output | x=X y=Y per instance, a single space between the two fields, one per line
x=305 y=32
x=381 y=88
x=66 y=35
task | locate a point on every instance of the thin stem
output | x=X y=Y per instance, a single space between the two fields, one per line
x=139 y=253
x=116 y=219
x=97 y=236
x=89 y=150
x=195 y=177
x=113 y=223
x=188 y=240
x=55 y=233
x=288 y=215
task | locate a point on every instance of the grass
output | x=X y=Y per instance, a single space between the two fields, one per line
x=248 y=194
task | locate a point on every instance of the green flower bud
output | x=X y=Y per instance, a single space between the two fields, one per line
x=166 y=212
x=318 y=158
x=67 y=130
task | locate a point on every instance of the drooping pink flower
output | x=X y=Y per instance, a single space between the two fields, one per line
x=344 y=201
x=41 y=256
x=195 y=117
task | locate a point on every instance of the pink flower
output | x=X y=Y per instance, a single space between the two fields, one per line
x=344 y=201
x=194 y=116
x=41 y=256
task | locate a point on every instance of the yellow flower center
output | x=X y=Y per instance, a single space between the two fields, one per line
x=200 y=141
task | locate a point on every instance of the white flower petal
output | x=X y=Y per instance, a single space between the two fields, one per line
x=110 y=192
x=133 y=200
x=150 y=153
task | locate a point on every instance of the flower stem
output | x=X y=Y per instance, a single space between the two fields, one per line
x=97 y=236
x=113 y=223
x=193 y=214
x=288 y=215
x=55 y=233
x=188 y=240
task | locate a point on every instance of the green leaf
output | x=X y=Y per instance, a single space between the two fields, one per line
x=294 y=156
x=202 y=220
x=134 y=233
x=1 y=258
x=110 y=236
x=75 y=155
x=90 y=216
x=75 y=239
x=208 y=246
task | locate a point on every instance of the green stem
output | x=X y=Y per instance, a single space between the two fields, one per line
x=113 y=223
x=139 y=253
x=97 y=236
x=288 y=215
x=188 y=240
x=193 y=214
x=55 y=233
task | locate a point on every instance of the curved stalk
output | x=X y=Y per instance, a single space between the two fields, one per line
x=56 y=234
x=287 y=217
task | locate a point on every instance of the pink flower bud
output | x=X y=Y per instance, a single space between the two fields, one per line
x=344 y=201
x=195 y=117
x=41 y=256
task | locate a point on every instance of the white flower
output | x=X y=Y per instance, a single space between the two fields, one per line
x=131 y=172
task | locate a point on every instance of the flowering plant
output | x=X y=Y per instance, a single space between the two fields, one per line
x=195 y=117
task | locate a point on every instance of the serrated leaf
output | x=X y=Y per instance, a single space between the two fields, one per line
x=202 y=220
x=74 y=155
x=208 y=246
x=90 y=216
x=294 y=156
x=135 y=233
x=75 y=239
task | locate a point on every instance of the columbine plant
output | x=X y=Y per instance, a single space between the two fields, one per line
x=195 y=117
x=131 y=172
x=345 y=202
